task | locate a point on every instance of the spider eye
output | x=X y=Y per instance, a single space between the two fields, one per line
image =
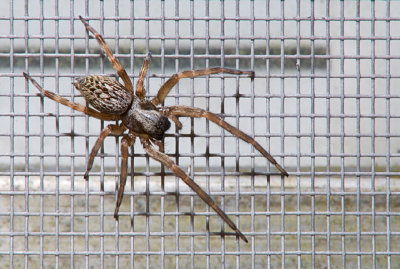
x=163 y=125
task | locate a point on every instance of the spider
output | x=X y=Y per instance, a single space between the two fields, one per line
x=143 y=118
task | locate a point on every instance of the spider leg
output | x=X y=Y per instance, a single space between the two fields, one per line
x=140 y=91
x=127 y=141
x=117 y=66
x=87 y=110
x=173 y=118
x=165 y=160
x=194 y=112
x=159 y=144
x=173 y=80
x=112 y=128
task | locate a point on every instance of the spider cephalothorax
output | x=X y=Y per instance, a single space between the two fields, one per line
x=144 y=118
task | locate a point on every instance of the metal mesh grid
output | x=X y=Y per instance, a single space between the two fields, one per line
x=324 y=103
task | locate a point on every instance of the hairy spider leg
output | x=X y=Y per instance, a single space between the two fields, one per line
x=173 y=80
x=195 y=112
x=81 y=108
x=111 y=128
x=175 y=120
x=127 y=141
x=159 y=144
x=168 y=162
x=140 y=91
x=117 y=66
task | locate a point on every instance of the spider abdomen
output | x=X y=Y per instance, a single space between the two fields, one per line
x=105 y=94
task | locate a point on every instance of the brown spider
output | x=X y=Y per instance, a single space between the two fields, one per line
x=143 y=119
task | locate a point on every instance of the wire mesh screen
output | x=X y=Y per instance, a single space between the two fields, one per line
x=324 y=102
